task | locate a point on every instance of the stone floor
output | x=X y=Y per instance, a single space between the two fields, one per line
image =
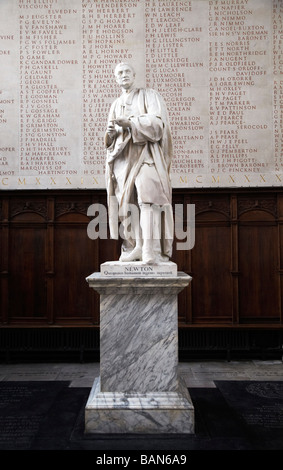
x=196 y=373
x=219 y=427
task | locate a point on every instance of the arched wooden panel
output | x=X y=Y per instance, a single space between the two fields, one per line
x=259 y=276
x=27 y=286
x=212 y=282
x=74 y=260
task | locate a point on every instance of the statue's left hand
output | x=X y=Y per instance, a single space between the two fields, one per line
x=123 y=122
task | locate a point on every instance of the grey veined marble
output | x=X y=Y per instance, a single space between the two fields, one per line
x=136 y=413
x=139 y=390
x=140 y=351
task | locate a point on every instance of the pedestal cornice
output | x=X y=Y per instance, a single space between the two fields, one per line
x=138 y=285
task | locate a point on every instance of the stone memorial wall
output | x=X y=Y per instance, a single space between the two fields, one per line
x=217 y=63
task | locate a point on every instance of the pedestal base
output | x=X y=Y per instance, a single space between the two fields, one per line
x=139 y=390
x=139 y=413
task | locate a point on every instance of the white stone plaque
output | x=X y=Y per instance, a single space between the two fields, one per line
x=138 y=269
x=217 y=63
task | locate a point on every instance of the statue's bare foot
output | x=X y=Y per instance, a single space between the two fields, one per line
x=148 y=257
x=135 y=255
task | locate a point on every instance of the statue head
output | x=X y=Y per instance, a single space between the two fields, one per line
x=125 y=75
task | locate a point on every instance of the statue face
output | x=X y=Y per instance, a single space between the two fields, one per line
x=125 y=76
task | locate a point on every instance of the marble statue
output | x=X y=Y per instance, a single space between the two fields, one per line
x=139 y=153
x=139 y=390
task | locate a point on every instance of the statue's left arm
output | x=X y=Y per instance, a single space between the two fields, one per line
x=148 y=127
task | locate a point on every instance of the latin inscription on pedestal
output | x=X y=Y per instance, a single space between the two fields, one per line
x=116 y=269
x=217 y=63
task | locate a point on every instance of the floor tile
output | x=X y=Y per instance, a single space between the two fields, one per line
x=195 y=374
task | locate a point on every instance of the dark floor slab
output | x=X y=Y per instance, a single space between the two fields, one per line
x=50 y=416
x=259 y=406
x=23 y=408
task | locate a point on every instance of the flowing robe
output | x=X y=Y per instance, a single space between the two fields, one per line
x=144 y=150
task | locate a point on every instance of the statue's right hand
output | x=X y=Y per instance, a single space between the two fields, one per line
x=111 y=131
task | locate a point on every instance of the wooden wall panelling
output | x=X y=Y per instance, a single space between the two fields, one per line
x=211 y=260
x=187 y=268
x=182 y=257
x=259 y=280
x=236 y=263
x=108 y=249
x=280 y=250
x=75 y=259
x=99 y=197
x=4 y=259
x=235 y=258
x=1 y=267
x=50 y=259
x=27 y=261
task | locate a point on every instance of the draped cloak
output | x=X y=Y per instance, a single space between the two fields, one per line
x=148 y=141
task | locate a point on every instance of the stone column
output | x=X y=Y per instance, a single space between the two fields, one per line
x=139 y=390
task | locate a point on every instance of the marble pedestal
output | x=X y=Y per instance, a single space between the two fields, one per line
x=138 y=390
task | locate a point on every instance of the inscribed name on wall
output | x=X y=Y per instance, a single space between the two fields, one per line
x=217 y=63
